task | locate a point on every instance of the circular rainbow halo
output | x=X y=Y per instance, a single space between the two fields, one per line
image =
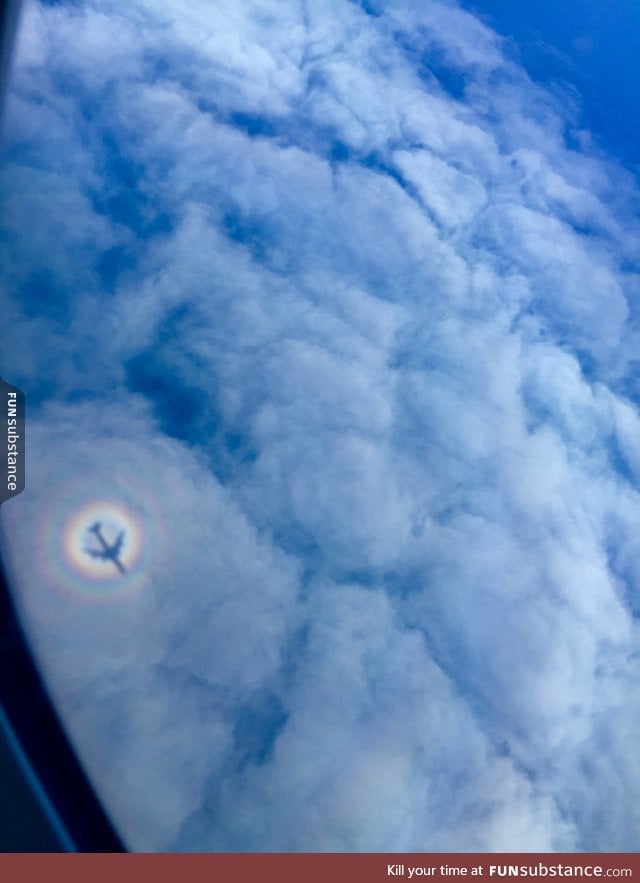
x=103 y=547
x=98 y=526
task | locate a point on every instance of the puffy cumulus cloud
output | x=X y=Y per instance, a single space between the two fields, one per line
x=406 y=765
x=328 y=299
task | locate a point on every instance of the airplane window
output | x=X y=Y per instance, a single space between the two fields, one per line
x=326 y=319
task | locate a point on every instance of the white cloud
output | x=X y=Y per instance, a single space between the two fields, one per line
x=363 y=354
x=454 y=197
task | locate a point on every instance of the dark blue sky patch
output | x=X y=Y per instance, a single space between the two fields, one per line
x=405 y=581
x=587 y=360
x=251 y=232
x=184 y=412
x=363 y=577
x=206 y=105
x=254 y=125
x=370 y=8
x=184 y=393
x=122 y=171
x=257 y=727
x=433 y=68
x=623 y=566
x=41 y=295
x=161 y=224
x=120 y=197
x=320 y=140
x=629 y=386
x=180 y=409
x=112 y=264
x=89 y=109
x=453 y=82
x=124 y=208
x=619 y=463
x=340 y=152
x=375 y=162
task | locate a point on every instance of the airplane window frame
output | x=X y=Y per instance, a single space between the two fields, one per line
x=47 y=803
x=50 y=783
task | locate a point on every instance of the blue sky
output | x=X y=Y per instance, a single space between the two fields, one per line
x=591 y=50
x=337 y=303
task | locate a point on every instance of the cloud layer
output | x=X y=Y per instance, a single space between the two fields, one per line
x=331 y=294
